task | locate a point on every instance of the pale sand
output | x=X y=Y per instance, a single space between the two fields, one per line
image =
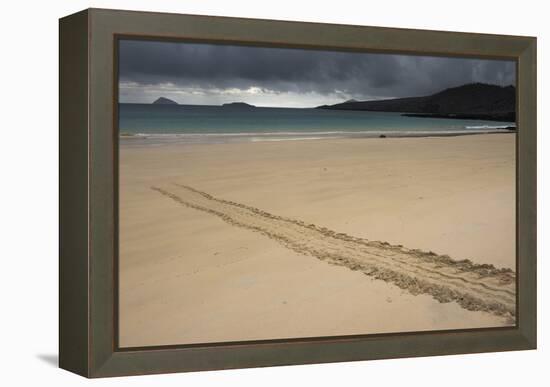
x=190 y=276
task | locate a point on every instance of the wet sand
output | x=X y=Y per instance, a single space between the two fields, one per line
x=246 y=241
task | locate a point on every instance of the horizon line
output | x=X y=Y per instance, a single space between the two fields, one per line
x=317 y=106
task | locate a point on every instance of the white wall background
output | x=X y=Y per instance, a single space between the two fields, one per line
x=28 y=181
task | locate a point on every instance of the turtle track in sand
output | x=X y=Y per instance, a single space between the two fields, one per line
x=475 y=287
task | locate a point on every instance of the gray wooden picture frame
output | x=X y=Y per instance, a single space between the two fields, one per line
x=88 y=342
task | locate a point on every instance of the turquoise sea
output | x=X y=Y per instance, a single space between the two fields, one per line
x=198 y=123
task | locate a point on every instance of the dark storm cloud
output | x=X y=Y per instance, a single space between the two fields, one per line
x=211 y=70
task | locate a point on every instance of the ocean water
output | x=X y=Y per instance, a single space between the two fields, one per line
x=194 y=123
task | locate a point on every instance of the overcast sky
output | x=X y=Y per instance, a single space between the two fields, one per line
x=210 y=74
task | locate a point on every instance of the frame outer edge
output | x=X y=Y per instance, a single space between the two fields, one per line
x=73 y=194
x=102 y=195
x=527 y=192
x=228 y=30
x=106 y=360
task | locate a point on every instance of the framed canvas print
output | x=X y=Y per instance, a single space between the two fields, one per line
x=244 y=193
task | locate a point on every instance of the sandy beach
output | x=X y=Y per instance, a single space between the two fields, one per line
x=285 y=239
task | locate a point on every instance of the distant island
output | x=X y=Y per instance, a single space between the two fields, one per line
x=471 y=101
x=238 y=105
x=164 y=101
x=168 y=101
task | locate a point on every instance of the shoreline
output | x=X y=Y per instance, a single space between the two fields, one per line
x=220 y=138
x=465 y=116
